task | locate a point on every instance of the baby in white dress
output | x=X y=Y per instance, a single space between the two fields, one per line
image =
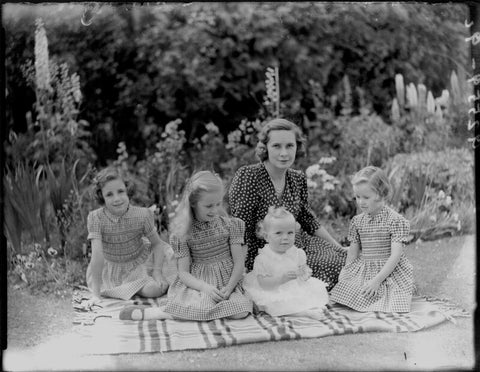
x=281 y=282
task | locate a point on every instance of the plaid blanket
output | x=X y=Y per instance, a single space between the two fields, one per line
x=103 y=333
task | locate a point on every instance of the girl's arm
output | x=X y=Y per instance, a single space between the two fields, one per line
x=352 y=253
x=158 y=248
x=96 y=268
x=238 y=257
x=183 y=264
x=371 y=287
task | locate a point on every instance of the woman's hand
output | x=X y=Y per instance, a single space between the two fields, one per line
x=213 y=292
x=370 y=288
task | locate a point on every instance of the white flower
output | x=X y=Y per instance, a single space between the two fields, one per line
x=441 y=194
x=212 y=128
x=327 y=159
x=327 y=208
x=448 y=200
x=433 y=218
x=455 y=216
x=312 y=170
x=328 y=186
x=52 y=252
x=311 y=184
x=42 y=71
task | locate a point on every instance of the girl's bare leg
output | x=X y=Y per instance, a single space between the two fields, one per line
x=143 y=312
x=152 y=290
x=239 y=316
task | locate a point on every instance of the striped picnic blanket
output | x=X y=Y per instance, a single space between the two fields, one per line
x=103 y=333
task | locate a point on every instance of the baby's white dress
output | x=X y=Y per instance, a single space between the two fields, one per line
x=294 y=296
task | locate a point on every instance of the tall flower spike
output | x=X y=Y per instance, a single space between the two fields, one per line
x=42 y=72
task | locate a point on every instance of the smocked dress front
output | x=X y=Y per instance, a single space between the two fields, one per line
x=211 y=261
x=252 y=193
x=291 y=297
x=375 y=234
x=124 y=250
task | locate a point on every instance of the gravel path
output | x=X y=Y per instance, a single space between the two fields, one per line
x=444 y=268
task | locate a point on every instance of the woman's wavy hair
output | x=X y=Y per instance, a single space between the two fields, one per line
x=201 y=182
x=273 y=213
x=110 y=174
x=261 y=150
x=376 y=178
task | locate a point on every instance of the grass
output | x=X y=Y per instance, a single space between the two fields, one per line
x=443 y=268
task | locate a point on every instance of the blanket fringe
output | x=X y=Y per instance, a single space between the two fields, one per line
x=449 y=308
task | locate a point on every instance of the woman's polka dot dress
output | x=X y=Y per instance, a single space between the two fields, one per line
x=252 y=193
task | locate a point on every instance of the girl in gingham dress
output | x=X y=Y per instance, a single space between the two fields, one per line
x=377 y=275
x=210 y=259
x=116 y=231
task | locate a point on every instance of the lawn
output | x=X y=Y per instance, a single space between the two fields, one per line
x=443 y=268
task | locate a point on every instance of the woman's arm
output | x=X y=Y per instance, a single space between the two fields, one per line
x=96 y=268
x=352 y=253
x=183 y=264
x=238 y=257
x=372 y=286
x=324 y=234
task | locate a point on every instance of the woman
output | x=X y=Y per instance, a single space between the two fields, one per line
x=258 y=186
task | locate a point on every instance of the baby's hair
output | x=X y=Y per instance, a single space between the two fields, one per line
x=273 y=213
x=376 y=178
x=110 y=174
x=279 y=124
x=199 y=183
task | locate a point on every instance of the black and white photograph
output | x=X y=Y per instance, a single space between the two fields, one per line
x=239 y=186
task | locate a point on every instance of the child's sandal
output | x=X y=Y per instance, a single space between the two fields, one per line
x=133 y=312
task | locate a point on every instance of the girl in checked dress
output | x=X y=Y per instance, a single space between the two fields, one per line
x=116 y=231
x=210 y=259
x=377 y=275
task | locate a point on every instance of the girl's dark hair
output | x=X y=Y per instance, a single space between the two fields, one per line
x=110 y=174
x=279 y=124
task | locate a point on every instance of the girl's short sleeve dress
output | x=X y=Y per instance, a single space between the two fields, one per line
x=211 y=261
x=252 y=193
x=375 y=235
x=291 y=297
x=124 y=249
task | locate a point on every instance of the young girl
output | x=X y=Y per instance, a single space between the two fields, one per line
x=377 y=275
x=281 y=282
x=117 y=230
x=208 y=247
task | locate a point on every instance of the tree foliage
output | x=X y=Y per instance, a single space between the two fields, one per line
x=141 y=67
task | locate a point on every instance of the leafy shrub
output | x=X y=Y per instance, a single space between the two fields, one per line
x=365 y=140
x=434 y=188
x=46 y=272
